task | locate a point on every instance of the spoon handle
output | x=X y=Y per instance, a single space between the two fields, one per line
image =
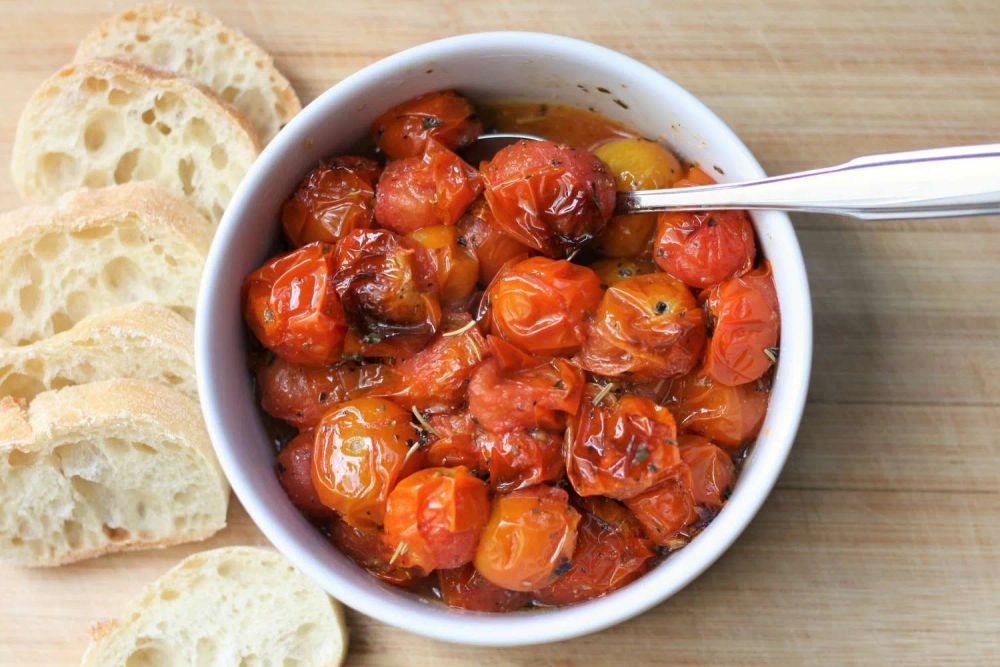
x=936 y=183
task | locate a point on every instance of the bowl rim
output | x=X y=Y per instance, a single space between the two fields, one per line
x=518 y=628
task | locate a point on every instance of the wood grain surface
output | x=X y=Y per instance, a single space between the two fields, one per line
x=881 y=542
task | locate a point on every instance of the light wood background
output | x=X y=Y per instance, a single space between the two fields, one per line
x=881 y=542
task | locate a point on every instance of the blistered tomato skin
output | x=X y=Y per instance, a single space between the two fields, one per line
x=666 y=509
x=360 y=452
x=417 y=192
x=529 y=539
x=479 y=232
x=543 y=305
x=386 y=285
x=465 y=588
x=300 y=395
x=647 y=327
x=445 y=116
x=712 y=470
x=745 y=336
x=294 y=468
x=367 y=548
x=620 y=447
x=613 y=271
x=729 y=416
x=611 y=551
x=291 y=307
x=548 y=196
x=456 y=268
x=520 y=459
x=434 y=518
x=335 y=198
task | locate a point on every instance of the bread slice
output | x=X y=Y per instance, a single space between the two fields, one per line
x=108 y=466
x=99 y=123
x=198 y=45
x=141 y=341
x=229 y=606
x=94 y=250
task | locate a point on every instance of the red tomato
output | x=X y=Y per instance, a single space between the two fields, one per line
x=386 y=285
x=537 y=397
x=417 y=192
x=542 y=304
x=479 y=232
x=745 y=312
x=446 y=117
x=294 y=467
x=362 y=448
x=529 y=539
x=434 y=518
x=712 y=469
x=613 y=271
x=519 y=459
x=621 y=446
x=291 y=306
x=366 y=547
x=437 y=376
x=456 y=268
x=300 y=395
x=647 y=327
x=729 y=416
x=335 y=198
x=666 y=509
x=465 y=588
x=548 y=196
x=457 y=442
x=611 y=551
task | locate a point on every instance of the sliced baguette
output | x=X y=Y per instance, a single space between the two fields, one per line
x=229 y=606
x=108 y=466
x=198 y=45
x=94 y=250
x=99 y=123
x=141 y=341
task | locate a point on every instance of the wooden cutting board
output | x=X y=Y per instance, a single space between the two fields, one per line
x=881 y=542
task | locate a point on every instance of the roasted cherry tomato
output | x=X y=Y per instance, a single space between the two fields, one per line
x=542 y=305
x=456 y=268
x=362 y=448
x=666 y=509
x=611 y=551
x=529 y=540
x=436 y=377
x=712 y=469
x=535 y=397
x=479 y=232
x=294 y=467
x=703 y=249
x=465 y=588
x=300 y=395
x=367 y=548
x=386 y=285
x=729 y=416
x=434 y=189
x=613 y=271
x=434 y=518
x=620 y=446
x=519 y=459
x=335 y=198
x=457 y=442
x=446 y=117
x=646 y=327
x=549 y=196
x=636 y=164
x=293 y=309
x=745 y=337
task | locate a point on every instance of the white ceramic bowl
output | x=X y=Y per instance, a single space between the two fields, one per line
x=489 y=66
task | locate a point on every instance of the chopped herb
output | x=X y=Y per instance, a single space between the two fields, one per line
x=605 y=390
x=424 y=424
x=641 y=454
x=771 y=353
x=410 y=452
x=711 y=222
x=430 y=123
x=603 y=90
x=399 y=551
x=620 y=103
x=563 y=567
x=323 y=396
x=555 y=163
x=371 y=339
x=461 y=330
x=559 y=384
x=661 y=307
x=461 y=241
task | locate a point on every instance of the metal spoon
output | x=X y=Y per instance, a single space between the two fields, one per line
x=936 y=183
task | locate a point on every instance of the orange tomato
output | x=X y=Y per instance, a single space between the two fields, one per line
x=529 y=539
x=335 y=198
x=479 y=232
x=666 y=509
x=362 y=448
x=729 y=416
x=712 y=469
x=541 y=304
x=455 y=266
x=465 y=588
x=745 y=337
x=434 y=517
x=445 y=116
x=613 y=271
x=290 y=305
